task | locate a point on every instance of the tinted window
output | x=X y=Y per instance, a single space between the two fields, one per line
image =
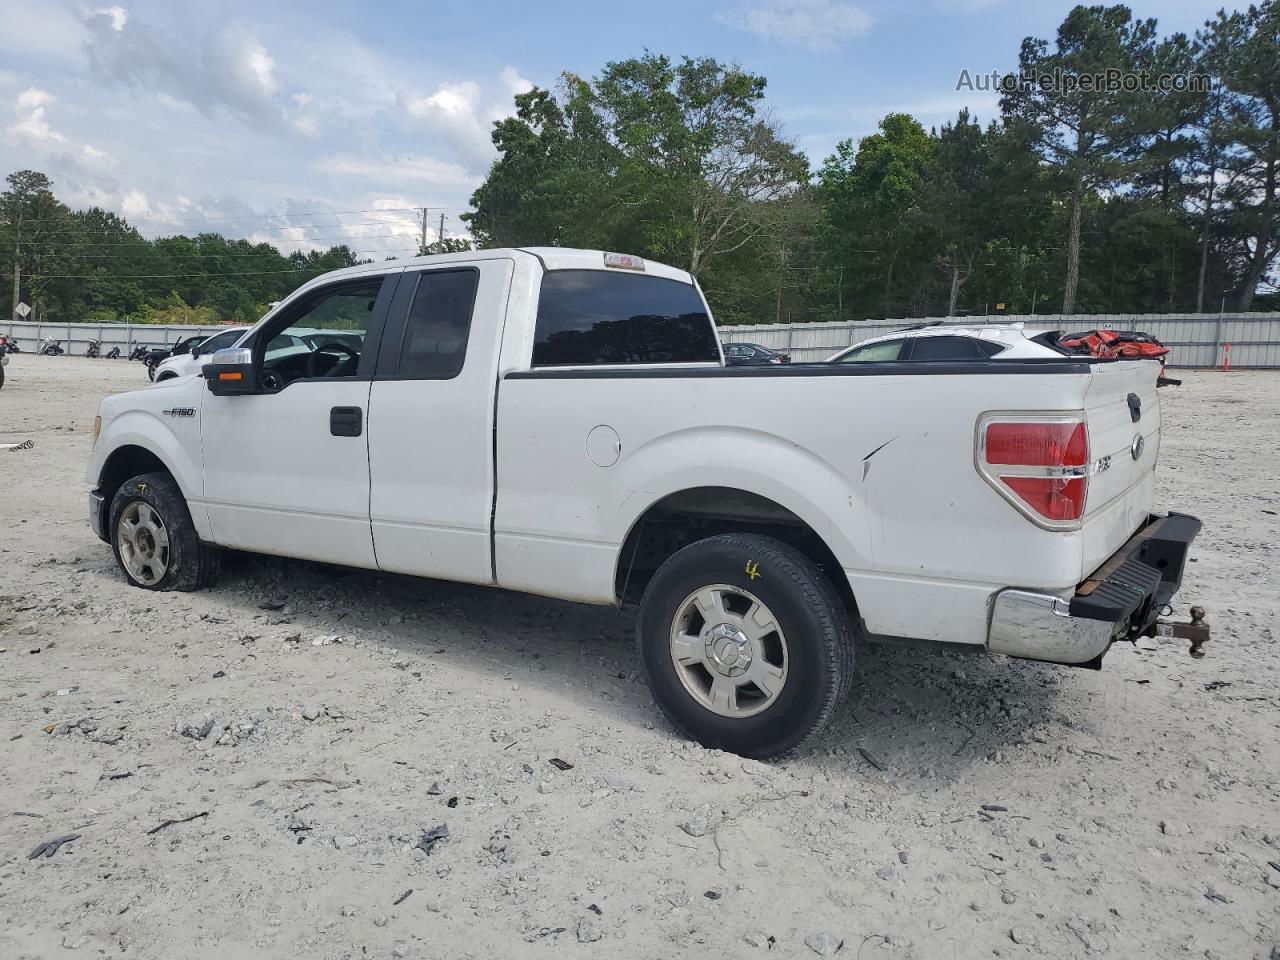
x=220 y=341
x=889 y=350
x=989 y=348
x=592 y=316
x=435 y=335
x=945 y=348
x=738 y=350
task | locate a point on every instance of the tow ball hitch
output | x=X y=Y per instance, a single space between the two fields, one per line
x=1197 y=631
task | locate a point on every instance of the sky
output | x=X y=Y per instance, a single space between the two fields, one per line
x=306 y=124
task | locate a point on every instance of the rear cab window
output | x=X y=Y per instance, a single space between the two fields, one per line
x=595 y=317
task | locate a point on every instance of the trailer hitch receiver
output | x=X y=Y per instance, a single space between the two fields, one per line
x=1196 y=630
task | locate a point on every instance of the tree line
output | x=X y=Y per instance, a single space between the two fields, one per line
x=1126 y=172
x=93 y=266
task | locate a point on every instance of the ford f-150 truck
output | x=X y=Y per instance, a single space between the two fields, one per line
x=562 y=422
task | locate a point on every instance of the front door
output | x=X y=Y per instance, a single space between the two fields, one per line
x=287 y=469
x=431 y=422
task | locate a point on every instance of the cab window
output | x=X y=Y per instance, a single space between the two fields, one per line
x=439 y=324
x=324 y=336
x=588 y=317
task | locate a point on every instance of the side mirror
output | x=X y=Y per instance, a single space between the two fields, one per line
x=230 y=372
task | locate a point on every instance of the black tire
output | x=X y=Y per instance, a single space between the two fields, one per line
x=819 y=641
x=1 y=374
x=190 y=563
x=151 y=371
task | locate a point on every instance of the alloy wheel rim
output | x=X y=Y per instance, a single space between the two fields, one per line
x=729 y=651
x=143 y=542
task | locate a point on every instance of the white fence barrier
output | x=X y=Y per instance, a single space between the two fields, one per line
x=1194 y=340
x=74 y=337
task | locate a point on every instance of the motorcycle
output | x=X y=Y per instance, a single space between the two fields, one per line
x=139 y=352
x=113 y=353
x=50 y=347
x=10 y=345
x=93 y=349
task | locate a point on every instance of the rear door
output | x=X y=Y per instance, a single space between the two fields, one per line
x=431 y=421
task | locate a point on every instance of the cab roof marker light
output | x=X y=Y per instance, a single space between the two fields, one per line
x=624 y=261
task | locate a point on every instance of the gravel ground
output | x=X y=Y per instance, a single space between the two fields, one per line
x=259 y=770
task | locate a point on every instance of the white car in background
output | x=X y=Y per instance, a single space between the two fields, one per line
x=190 y=362
x=339 y=343
x=944 y=341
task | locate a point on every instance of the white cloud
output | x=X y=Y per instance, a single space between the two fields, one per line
x=32 y=98
x=32 y=125
x=514 y=83
x=463 y=117
x=455 y=112
x=233 y=72
x=118 y=16
x=392 y=169
x=134 y=204
x=817 y=25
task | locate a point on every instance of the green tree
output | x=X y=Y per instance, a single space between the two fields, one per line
x=669 y=160
x=1245 y=53
x=1087 y=130
x=867 y=197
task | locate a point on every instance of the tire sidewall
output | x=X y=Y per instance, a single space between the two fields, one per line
x=811 y=684
x=162 y=495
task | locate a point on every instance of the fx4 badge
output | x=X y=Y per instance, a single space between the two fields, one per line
x=180 y=412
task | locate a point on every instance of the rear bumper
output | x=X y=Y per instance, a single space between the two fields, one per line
x=1121 y=600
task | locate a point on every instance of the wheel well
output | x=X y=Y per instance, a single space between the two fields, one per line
x=166 y=376
x=124 y=463
x=686 y=517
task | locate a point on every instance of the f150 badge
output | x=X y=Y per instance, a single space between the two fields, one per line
x=180 y=412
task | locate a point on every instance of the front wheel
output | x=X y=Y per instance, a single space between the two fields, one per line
x=746 y=645
x=154 y=541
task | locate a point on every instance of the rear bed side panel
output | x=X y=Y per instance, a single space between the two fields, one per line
x=880 y=466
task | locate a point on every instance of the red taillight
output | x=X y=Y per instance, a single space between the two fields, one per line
x=1037 y=444
x=1054 y=498
x=1042 y=466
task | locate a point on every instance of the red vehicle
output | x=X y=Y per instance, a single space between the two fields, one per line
x=1130 y=344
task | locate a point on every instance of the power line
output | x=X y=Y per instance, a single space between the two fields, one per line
x=172 y=276
x=140 y=242
x=257 y=216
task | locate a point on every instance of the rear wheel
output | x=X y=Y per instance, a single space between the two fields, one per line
x=746 y=644
x=154 y=540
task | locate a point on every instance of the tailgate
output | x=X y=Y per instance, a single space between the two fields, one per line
x=1122 y=408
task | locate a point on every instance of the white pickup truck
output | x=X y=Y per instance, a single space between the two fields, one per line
x=562 y=422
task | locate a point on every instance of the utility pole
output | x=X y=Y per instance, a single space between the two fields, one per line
x=422 y=243
x=17 y=269
x=440 y=235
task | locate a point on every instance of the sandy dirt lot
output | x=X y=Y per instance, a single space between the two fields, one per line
x=256 y=770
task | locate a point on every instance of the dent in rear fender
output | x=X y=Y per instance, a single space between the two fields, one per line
x=753 y=461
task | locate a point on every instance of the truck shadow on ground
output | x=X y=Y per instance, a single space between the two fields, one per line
x=913 y=711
